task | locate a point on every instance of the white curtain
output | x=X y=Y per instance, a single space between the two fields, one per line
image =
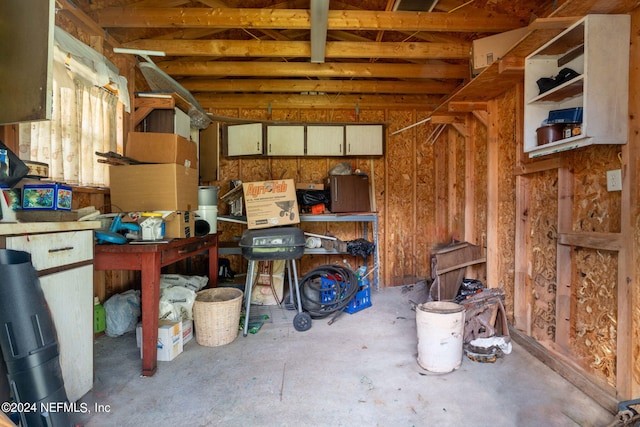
x=83 y=122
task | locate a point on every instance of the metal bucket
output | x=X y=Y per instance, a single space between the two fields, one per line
x=440 y=327
x=208 y=196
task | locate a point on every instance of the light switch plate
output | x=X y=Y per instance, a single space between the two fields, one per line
x=614 y=180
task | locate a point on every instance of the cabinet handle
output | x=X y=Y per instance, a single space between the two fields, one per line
x=258 y=146
x=66 y=248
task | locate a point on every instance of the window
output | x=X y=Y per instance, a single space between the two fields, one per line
x=87 y=100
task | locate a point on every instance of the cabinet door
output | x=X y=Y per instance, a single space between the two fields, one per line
x=69 y=296
x=244 y=140
x=364 y=140
x=209 y=150
x=285 y=140
x=325 y=140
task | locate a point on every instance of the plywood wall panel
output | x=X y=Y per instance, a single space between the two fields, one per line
x=289 y=115
x=480 y=189
x=441 y=187
x=635 y=299
x=506 y=197
x=457 y=215
x=542 y=253
x=594 y=311
x=426 y=237
x=595 y=208
x=314 y=116
x=399 y=188
x=344 y=115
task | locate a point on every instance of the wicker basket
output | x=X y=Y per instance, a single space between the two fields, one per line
x=216 y=316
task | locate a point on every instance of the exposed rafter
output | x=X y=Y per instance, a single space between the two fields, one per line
x=122 y=17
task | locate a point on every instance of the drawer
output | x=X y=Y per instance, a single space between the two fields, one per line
x=49 y=250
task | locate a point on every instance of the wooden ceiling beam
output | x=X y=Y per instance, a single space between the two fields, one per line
x=307 y=69
x=511 y=65
x=256 y=101
x=126 y=17
x=446 y=119
x=467 y=106
x=327 y=86
x=292 y=49
x=78 y=17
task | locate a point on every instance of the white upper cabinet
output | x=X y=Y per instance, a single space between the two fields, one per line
x=364 y=140
x=300 y=139
x=325 y=140
x=243 y=140
x=597 y=48
x=285 y=140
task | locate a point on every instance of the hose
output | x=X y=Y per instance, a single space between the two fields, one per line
x=327 y=289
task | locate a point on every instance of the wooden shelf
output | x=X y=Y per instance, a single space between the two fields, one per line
x=233 y=248
x=145 y=102
x=502 y=75
x=596 y=47
x=566 y=90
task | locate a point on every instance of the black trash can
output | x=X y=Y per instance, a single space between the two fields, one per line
x=24 y=316
x=29 y=344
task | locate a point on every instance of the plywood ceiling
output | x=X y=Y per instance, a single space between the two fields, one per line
x=239 y=48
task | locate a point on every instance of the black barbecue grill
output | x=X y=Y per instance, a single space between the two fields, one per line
x=280 y=243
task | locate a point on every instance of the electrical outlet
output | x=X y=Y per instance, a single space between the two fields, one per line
x=614 y=180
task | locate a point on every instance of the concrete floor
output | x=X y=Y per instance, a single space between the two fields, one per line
x=359 y=371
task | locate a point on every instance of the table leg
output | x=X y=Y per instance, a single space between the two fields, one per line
x=213 y=266
x=150 y=273
x=247 y=289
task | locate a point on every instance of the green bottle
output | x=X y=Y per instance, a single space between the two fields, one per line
x=99 y=317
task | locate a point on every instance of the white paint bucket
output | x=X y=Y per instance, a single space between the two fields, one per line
x=209 y=214
x=440 y=326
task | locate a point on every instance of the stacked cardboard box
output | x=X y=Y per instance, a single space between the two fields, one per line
x=169 y=182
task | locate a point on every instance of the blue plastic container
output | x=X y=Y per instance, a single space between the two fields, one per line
x=566 y=115
x=362 y=299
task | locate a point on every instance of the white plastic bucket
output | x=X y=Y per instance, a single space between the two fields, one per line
x=209 y=214
x=440 y=326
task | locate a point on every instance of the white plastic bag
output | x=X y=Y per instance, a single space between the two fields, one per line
x=195 y=283
x=177 y=295
x=122 y=312
x=176 y=303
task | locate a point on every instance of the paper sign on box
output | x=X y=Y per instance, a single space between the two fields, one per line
x=271 y=203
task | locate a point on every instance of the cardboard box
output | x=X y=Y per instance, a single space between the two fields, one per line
x=51 y=196
x=153 y=147
x=271 y=203
x=179 y=225
x=489 y=49
x=163 y=187
x=187 y=331
x=170 y=343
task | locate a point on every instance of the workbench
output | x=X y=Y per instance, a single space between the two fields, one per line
x=232 y=248
x=149 y=259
